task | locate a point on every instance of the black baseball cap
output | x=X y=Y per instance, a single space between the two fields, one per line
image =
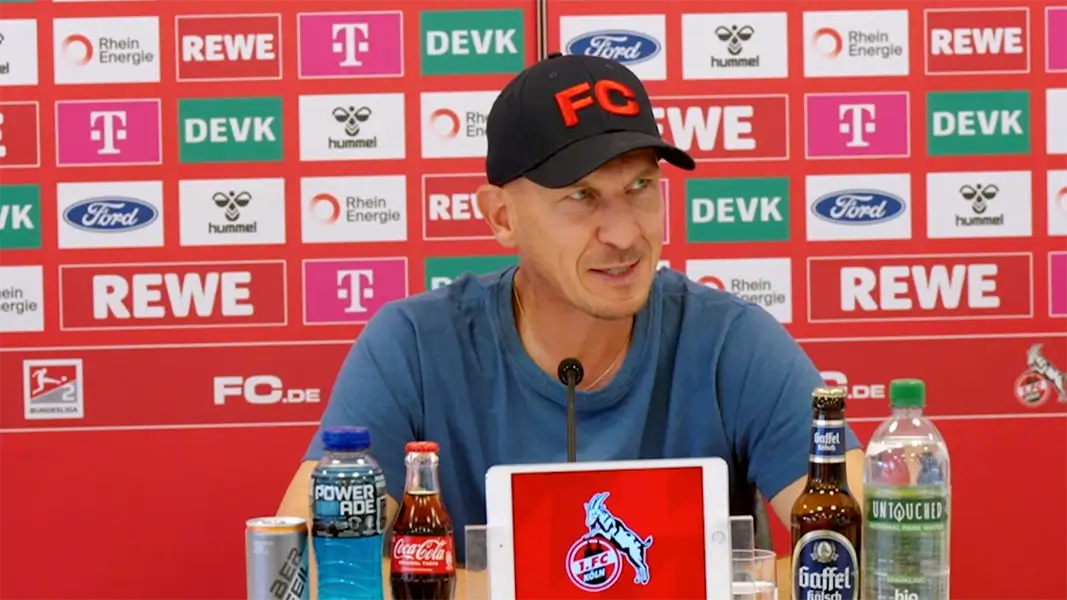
x=565 y=117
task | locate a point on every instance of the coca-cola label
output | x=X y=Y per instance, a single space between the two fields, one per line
x=423 y=555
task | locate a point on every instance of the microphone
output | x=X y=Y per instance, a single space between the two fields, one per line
x=570 y=373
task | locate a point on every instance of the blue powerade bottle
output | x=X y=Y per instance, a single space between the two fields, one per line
x=347 y=497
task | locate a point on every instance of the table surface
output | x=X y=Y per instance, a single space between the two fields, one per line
x=466 y=582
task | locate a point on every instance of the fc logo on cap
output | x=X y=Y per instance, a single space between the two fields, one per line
x=570 y=104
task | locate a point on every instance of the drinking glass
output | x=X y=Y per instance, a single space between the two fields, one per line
x=755 y=575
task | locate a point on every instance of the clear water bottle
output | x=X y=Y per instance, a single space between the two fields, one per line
x=907 y=491
x=348 y=516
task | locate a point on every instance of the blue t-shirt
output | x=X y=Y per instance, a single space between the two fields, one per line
x=707 y=374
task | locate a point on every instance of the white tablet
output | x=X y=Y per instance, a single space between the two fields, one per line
x=642 y=529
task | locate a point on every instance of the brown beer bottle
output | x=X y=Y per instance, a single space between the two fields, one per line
x=826 y=519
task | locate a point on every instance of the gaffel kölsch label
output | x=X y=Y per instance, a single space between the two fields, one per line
x=828 y=441
x=348 y=506
x=825 y=567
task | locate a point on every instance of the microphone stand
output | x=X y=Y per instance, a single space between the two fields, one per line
x=570 y=373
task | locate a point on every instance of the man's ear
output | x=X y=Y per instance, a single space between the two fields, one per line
x=496 y=210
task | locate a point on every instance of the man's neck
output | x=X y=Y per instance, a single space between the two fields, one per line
x=551 y=330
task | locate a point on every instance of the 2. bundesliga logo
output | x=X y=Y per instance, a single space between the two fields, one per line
x=594 y=562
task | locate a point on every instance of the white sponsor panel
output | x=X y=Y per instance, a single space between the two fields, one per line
x=352 y=127
x=979 y=204
x=18 y=52
x=862 y=43
x=764 y=281
x=106 y=50
x=114 y=214
x=637 y=41
x=229 y=212
x=1057 y=202
x=858 y=207
x=353 y=209
x=453 y=123
x=21 y=299
x=735 y=46
x=1056 y=121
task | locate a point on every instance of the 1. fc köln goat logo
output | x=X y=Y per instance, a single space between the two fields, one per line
x=1040 y=381
x=595 y=561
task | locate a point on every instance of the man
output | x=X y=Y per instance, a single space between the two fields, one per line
x=672 y=368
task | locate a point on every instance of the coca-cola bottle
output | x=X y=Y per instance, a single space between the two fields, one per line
x=423 y=561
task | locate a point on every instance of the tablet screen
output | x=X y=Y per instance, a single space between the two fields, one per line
x=609 y=534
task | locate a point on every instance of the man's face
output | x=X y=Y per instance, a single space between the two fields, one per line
x=597 y=242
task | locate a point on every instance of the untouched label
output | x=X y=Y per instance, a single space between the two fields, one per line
x=827 y=441
x=422 y=555
x=906 y=537
x=346 y=506
x=825 y=567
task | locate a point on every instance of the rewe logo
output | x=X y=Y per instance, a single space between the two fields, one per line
x=470 y=42
x=871 y=125
x=351 y=44
x=172 y=295
x=966 y=41
x=20 y=217
x=106 y=50
x=737 y=210
x=20 y=135
x=725 y=128
x=228 y=47
x=350 y=291
x=920 y=287
x=450 y=208
x=230 y=129
x=441 y=271
x=978 y=123
x=92 y=133
x=261 y=389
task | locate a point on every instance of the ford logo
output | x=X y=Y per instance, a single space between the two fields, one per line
x=110 y=213
x=627 y=47
x=858 y=207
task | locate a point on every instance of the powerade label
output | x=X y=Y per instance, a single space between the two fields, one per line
x=422 y=555
x=824 y=567
x=346 y=506
x=828 y=441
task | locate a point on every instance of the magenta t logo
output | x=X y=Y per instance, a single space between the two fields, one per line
x=1056 y=39
x=857 y=125
x=112 y=132
x=1057 y=284
x=350 y=291
x=355 y=44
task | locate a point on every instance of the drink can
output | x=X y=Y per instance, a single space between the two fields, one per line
x=276 y=558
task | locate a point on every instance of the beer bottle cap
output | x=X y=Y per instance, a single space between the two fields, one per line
x=346 y=439
x=907 y=393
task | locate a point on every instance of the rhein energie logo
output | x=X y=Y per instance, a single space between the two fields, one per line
x=595 y=560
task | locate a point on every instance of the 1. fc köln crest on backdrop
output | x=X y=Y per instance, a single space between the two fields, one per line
x=1041 y=381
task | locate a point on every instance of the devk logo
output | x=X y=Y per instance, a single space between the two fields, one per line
x=594 y=561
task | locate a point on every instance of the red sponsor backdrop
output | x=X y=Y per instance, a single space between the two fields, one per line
x=167 y=463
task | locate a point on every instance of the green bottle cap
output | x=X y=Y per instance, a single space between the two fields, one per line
x=907 y=393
